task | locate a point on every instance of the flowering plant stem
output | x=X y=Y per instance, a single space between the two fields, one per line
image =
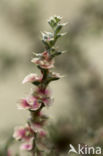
x=33 y=133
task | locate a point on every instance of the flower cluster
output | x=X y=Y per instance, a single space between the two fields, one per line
x=44 y=61
x=25 y=134
x=34 y=132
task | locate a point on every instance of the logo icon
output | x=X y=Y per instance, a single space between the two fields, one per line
x=72 y=149
x=85 y=149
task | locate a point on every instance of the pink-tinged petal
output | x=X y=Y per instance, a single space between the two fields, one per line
x=36 y=127
x=36 y=106
x=30 y=103
x=23 y=133
x=42 y=133
x=46 y=55
x=19 y=133
x=41 y=94
x=43 y=63
x=44 y=96
x=31 y=78
x=23 y=104
x=26 y=146
x=47 y=64
x=48 y=101
x=47 y=92
x=31 y=100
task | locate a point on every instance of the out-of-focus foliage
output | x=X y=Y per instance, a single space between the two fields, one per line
x=22 y=18
x=85 y=81
x=86 y=125
x=4 y=150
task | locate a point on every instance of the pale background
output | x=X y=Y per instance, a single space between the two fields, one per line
x=15 y=43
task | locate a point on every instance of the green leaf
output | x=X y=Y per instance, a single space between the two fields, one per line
x=46 y=44
x=58 y=18
x=51 y=22
x=54 y=20
x=56 y=53
x=59 y=27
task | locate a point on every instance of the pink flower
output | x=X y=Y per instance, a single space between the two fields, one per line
x=48 y=101
x=30 y=103
x=31 y=78
x=24 y=104
x=23 y=133
x=42 y=133
x=43 y=95
x=38 y=127
x=46 y=55
x=27 y=145
x=44 y=61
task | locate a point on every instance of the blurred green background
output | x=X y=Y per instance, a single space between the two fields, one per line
x=79 y=95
